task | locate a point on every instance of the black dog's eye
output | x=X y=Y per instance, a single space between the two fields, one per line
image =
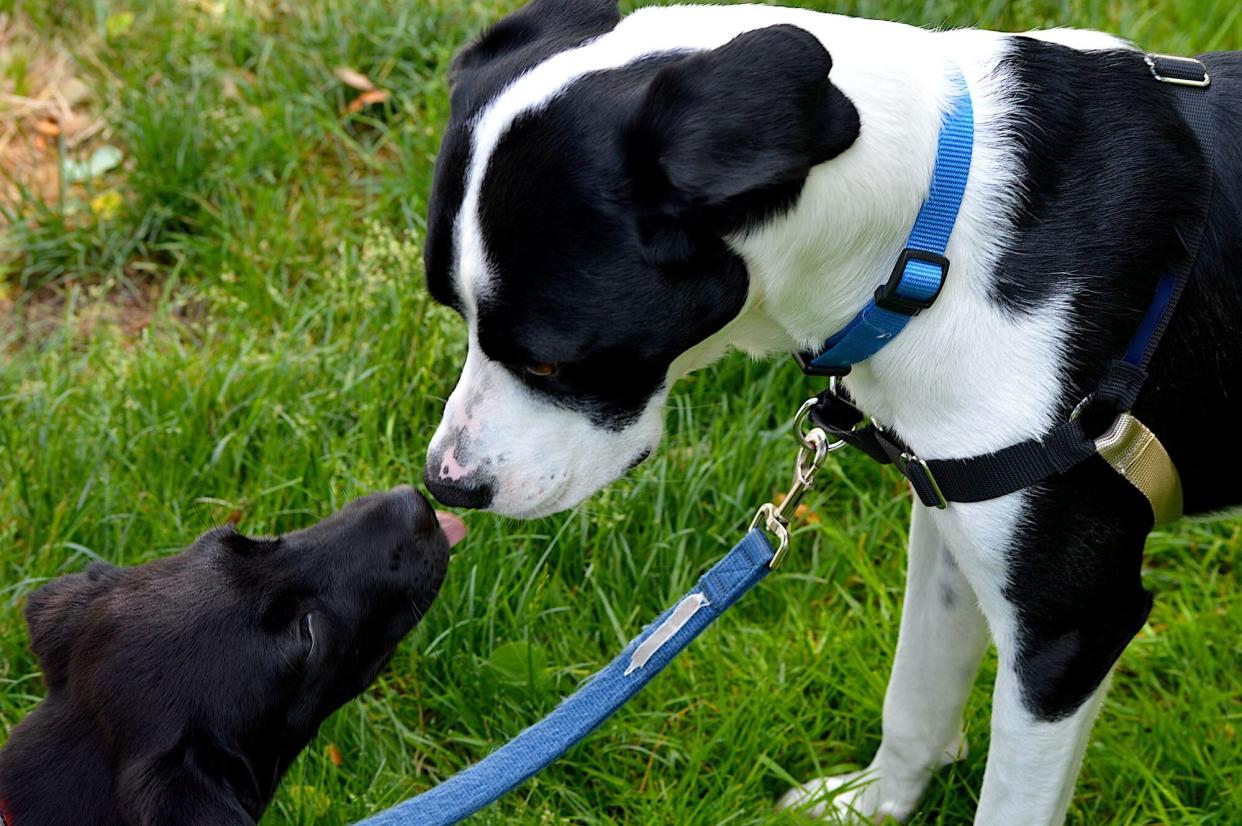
x=543 y=369
x=308 y=633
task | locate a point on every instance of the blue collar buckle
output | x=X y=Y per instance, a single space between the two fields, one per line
x=922 y=268
x=891 y=296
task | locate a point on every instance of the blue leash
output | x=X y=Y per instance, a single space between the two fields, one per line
x=579 y=714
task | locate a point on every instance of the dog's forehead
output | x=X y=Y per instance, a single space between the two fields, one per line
x=171 y=592
x=556 y=224
x=491 y=86
x=457 y=255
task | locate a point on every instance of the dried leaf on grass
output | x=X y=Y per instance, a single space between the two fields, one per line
x=353 y=78
x=367 y=98
x=49 y=108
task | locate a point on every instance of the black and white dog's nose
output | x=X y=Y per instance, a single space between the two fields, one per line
x=462 y=493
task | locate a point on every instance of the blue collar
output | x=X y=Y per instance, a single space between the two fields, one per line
x=921 y=269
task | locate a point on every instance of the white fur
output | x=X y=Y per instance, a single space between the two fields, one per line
x=966 y=377
x=534 y=453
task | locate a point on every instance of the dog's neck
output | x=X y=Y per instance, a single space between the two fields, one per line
x=55 y=770
x=958 y=380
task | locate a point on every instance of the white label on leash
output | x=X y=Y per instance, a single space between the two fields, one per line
x=685 y=609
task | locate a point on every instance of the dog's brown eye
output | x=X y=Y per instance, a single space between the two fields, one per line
x=543 y=369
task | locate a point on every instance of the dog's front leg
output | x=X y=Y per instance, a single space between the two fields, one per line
x=943 y=636
x=1032 y=762
x=1063 y=596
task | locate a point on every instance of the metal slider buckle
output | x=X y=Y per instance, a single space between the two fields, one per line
x=1153 y=63
x=805 y=360
x=887 y=296
x=911 y=462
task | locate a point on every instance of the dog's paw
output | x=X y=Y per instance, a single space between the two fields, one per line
x=873 y=795
x=855 y=798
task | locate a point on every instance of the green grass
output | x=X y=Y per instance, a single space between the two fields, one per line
x=293 y=362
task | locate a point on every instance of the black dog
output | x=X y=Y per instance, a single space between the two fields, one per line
x=180 y=691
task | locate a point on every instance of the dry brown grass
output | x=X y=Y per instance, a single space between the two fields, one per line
x=46 y=110
x=35 y=316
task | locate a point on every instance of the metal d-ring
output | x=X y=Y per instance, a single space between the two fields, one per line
x=803 y=436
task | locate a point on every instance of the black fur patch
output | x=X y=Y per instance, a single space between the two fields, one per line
x=1113 y=175
x=574 y=283
x=1097 y=141
x=604 y=211
x=481 y=71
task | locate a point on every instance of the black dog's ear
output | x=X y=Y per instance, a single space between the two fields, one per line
x=239 y=543
x=190 y=785
x=751 y=116
x=54 y=613
x=560 y=22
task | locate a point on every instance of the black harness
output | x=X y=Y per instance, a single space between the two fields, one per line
x=937 y=482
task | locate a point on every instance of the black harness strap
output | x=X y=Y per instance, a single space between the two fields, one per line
x=939 y=481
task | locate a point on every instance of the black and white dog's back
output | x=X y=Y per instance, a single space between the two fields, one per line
x=619 y=201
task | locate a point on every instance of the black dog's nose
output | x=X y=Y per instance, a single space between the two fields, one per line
x=413 y=508
x=461 y=494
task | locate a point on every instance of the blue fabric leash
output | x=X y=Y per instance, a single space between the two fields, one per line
x=921 y=269
x=579 y=714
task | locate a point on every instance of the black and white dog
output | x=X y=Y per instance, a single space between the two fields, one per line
x=617 y=202
x=180 y=691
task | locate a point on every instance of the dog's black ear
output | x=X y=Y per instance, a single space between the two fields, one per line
x=750 y=117
x=193 y=784
x=54 y=614
x=557 y=23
